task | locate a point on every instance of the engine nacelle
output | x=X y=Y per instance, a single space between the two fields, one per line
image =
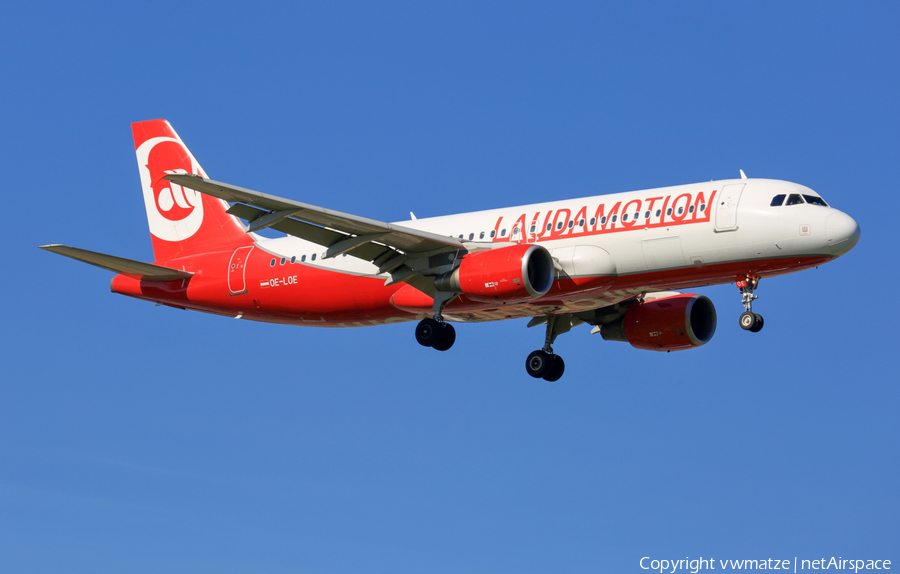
x=507 y=274
x=673 y=323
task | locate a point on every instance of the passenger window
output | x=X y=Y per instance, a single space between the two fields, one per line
x=647 y=215
x=532 y=229
x=637 y=216
x=571 y=224
x=778 y=200
x=559 y=225
x=702 y=207
x=313 y=257
x=502 y=233
x=658 y=212
x=593 y=221
x=481 y=235
x=471 y=236
x=624 y=217
x=680 y=210
x=283 y=260
x=614 y=218
x=812 y=199
x=460 y=235
x=272 y=263
x=493 y=233
x=549 y=226
x=302 y=258
x=515 y=230
x=794 y=199
x=603 y=220
x=294 y=259
x=691 y=209
x=669 y=211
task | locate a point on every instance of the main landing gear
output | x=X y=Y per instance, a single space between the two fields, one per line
x=437 y=333
x=543 y=363
x=749 y=320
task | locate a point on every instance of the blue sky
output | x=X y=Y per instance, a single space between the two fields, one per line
x=145 y=439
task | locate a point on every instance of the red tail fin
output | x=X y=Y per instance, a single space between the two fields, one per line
x=182 y=221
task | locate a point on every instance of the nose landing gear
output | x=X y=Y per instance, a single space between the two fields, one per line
x=749 y=320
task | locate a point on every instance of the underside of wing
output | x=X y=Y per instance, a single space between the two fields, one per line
x=407 y=254
x=323 y=226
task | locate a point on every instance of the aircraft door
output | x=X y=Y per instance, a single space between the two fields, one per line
x=726 y=207
x=237 y=270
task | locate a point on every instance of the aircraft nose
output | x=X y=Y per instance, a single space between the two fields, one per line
x=842 y=232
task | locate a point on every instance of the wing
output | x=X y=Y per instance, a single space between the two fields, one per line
x=409 y=255
x=134 y=269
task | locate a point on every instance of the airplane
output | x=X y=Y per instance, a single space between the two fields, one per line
x=614 y=262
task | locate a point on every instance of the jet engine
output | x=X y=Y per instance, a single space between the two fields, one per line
x=506 y=274
x=674 y=323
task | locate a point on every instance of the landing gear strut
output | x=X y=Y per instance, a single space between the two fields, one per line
x=749 y=320
x=437 y=333
x=543 y=364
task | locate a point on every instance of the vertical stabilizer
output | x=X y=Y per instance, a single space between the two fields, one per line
x=182 y=221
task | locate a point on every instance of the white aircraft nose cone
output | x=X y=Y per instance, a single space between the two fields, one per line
x=841 y=231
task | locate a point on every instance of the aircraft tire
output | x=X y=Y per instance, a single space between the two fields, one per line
x=537 y=364
x=428 y=332
x=448 y=337
x=556 y=369
x=758 y=325
x=748 y=320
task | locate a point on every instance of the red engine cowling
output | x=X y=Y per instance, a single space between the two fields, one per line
x=671 y=323
x=507 y=274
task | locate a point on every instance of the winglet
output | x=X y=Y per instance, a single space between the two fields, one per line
x=743 y=175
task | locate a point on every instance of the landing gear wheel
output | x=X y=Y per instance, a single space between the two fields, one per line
x=428 y=332
x=556 y=369
x=748 y=321
x=448 y=337
x=538 y=363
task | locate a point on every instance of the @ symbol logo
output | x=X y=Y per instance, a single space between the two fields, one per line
x=174 y=212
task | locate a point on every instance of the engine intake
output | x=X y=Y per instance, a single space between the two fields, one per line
x=673 y=323
x=507 y=274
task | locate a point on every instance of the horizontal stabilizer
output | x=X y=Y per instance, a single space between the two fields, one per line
x=131 y=268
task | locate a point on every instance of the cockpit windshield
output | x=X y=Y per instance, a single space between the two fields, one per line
x=812 y=199
x=797 y=199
